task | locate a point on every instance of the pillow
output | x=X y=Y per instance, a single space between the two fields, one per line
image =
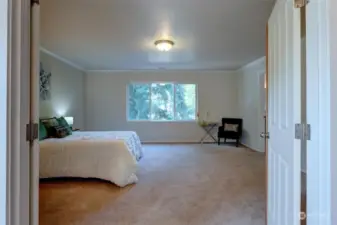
x=42 y=132
x=62 y=122
x=231 y=127
x=49 y=124
x=61 y=131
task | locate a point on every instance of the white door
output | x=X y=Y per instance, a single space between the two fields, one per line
x=284 y=111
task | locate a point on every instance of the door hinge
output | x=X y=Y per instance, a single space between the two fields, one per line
x=265 y=135
x=303 y=216
x=32 y=132
x=303 y=132
x=300 y=3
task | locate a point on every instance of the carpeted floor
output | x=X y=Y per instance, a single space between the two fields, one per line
x=178 y=185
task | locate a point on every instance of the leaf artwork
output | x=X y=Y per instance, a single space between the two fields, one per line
x=44 y=84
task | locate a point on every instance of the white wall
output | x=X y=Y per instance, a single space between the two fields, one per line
x=249 y=92
x=106 y=102
x=67 y=91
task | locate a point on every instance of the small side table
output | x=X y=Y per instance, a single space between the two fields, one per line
x=209 y=130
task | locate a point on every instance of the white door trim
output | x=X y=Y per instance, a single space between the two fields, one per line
x=261 y=112
x=34 y=111
x=331 y=15
x=18 y=70
x=4 y=115
x=318 y=113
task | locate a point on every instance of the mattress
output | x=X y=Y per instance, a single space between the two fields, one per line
x=110 y=155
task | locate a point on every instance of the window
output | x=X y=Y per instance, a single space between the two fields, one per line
x=162 y=102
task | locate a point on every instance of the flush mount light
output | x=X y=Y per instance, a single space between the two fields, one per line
x=164 y=45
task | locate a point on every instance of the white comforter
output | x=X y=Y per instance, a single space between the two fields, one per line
x=109 y=156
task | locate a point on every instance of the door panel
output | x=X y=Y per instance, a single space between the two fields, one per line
x=284 y=110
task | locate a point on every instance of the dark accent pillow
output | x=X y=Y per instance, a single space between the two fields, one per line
x=61 y=131
x=49 y=124
x=42 y=132
x=62 y=122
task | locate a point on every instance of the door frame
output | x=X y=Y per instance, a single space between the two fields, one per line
x=332 y=18
x=262 y=113
x=319 y=22
x=18 y=21
x=266 y=123
x=5 y=169
x=18 y=103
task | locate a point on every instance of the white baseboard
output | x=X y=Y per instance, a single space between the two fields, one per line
x=176 y=142
x=247 y=146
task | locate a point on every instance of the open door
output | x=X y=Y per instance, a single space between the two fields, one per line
x=284 y=111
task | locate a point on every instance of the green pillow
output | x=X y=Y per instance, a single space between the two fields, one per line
x=49 y=124
x=62 y=122
x=42 y=131
x=61 y=131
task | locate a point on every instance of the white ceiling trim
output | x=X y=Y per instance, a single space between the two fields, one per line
x=52 y=54
x=68 y=62
x=160 y=70
x=252 y=64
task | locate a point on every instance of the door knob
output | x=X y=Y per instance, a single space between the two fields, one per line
x=264 y=135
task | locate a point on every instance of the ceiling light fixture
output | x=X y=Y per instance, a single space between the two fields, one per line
x=164 y=45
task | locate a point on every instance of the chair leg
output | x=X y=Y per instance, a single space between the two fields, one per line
x=219 y=141
x=225 y=140
x=237 y=142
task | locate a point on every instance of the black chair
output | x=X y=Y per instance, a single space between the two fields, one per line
x=230 y=131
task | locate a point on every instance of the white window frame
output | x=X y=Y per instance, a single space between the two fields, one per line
x=174 y=105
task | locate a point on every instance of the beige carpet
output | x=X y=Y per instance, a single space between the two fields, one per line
x=178 y=185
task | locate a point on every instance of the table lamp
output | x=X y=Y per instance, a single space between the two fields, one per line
x=70 y=120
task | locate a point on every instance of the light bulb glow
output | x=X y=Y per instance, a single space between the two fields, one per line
x=164 y=45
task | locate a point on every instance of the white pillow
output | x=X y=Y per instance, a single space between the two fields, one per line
x=231 y=127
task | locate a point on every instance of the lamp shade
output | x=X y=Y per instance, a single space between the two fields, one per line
x=70 y=120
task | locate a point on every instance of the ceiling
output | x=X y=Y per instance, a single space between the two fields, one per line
x=120 y=34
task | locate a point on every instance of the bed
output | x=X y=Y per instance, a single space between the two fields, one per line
x=111 y=156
